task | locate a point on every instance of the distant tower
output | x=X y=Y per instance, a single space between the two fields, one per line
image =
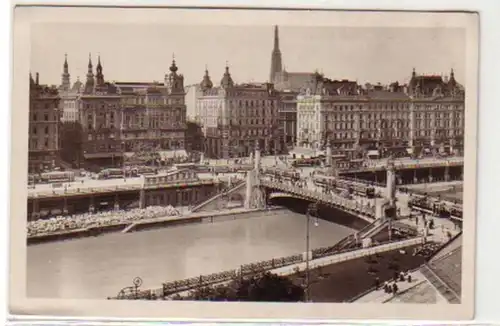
x=89 y=84
x=226 y=81
x=276 y=66
x=65 y=81
x=206 y=83
x=99 y=76
x=174 y=81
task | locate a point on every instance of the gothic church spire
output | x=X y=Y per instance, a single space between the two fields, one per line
x=276 y=66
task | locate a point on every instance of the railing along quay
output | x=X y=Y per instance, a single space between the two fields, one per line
x=75 y=191
x=346 y=204
x=170 y=288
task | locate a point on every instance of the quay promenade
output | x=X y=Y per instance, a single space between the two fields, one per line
x=291 y=265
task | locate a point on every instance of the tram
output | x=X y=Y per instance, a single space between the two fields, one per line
x=57 y=177
x=433 y=206
x=352 y=187
x=110 y=174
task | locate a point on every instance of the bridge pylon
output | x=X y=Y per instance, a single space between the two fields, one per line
x=254 y=195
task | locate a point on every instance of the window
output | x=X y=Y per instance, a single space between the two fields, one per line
x=46 y=143
x=46 y=130
x=34 y=117
x=34 y=130
x=46 y=117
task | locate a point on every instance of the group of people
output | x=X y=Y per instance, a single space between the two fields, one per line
x=82 y=221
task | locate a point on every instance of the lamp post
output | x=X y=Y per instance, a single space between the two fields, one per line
x=311 y=211
x=130 y=291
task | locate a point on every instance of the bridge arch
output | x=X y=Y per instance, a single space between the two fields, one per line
x=325 y=212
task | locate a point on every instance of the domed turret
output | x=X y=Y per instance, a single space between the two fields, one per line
x=173 y=67
x=206 y=83
x=174 y=81
x=226 y=81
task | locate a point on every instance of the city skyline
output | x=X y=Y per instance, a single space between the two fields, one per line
x=144 y=56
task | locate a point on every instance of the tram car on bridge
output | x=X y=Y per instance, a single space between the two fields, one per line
x=279 y=174
x=144 y=170
x=110 y=174
x=433 y=206
x=57 y=177
x=307 y=162
x=456 y=212
x=356 y=188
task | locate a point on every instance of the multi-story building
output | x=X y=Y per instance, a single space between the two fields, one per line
x=153 y=116
x=288 y=116
x=426 y=113
x=191 y=93
x=289 y=85
x=122 y=118
x=237 y=118
x=99 y=110
x=44 y=127
x=69 y=94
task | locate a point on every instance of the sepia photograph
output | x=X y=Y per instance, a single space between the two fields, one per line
x=174 y=156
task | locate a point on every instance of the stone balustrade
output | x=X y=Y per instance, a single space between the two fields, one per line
x=347 y=205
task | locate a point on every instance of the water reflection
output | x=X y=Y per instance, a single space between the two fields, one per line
x=99 y=267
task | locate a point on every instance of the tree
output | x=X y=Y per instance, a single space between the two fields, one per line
x=267 y=287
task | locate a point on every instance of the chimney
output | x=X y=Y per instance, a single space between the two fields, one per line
x=37 y=78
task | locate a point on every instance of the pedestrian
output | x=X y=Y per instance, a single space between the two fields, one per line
x=395 y=289
x=396 y=276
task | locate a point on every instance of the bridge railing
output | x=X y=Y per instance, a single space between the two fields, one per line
x=363 y=181
x=399 y=164
x=349 y=205
x=75 y=190
x=85 y=190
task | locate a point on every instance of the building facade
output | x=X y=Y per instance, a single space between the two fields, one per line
x=99 y=110
x=154 y=115
x=288 y=116
x=44 y=127
x=425 y=114
x=237 y=118
x=288 y=84
x=121 y=118
x=69 y=94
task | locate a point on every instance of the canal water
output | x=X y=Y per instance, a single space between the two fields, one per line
x=95 y=268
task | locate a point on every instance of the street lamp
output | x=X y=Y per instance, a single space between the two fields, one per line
x=312 y=210
x=130 y=291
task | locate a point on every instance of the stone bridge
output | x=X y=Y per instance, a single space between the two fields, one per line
x=410 y=171
x=277 y=189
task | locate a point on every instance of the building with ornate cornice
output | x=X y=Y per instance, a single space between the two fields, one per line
x=119 y=119
x=428 y=113
x=99 y=113
x=153 y=115
x=237 y=118
x=44 y=127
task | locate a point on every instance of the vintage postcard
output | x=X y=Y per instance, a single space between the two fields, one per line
x=240 y=163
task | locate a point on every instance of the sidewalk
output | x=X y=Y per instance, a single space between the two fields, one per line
x=380 y=296
x=337 y=258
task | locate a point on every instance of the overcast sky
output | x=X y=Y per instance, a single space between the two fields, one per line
x=144 y=52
